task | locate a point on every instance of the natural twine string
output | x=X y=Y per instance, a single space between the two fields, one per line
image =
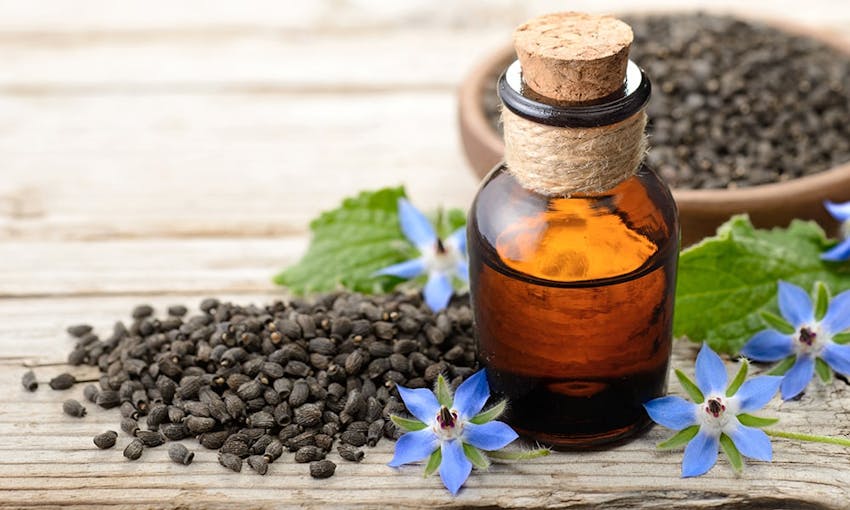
x=558 y=161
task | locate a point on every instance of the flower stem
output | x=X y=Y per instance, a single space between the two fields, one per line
x=808 y=437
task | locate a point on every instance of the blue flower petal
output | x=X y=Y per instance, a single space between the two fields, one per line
x=757 y=392
x=837 y=317
x=414 y=446
x=455 y=467
x=796 y=379
x=416 y=226
x=458 y=239
x=710 y=371
x=672 y=412
x=438 y=291
x=407 y=270
x=462 y=270
x=493 y=435
x=795 y=304
x=840 y=212
x=471 y=395
x=837 y=357
x=768 y=345
x=838 y=253
x=421 y=403
x=700 y=455
x=752 y=443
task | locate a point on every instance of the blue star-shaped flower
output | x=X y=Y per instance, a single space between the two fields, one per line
x=715 y=414
x=811 y=339
x=841 y=251
x=451 y=429
x=439 y=259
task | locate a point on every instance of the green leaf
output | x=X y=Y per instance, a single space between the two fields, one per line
x=350 y=243
x=475 y=456
x=490 y=414
x=407 y=424
x=841 y=338
x=821 y=300
x=680 y=438
x=756 y=421
x=433 y=462
x=783 y=366
x=739 y=379
x=448 y=221
x=823 y=371
x=689 y=386
x=725 y=281
x=443 y=393
x=732 y=453
x=776 y=322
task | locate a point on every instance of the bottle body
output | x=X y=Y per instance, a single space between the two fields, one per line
x=573 y=301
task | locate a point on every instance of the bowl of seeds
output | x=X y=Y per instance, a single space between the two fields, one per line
x=746 y=116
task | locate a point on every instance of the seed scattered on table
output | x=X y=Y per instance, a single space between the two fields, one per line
x=29 y=381
x=106 y=440
x=73 y=408
x=180 y=454
x=63 y=381
x=322 y=469
x=250 y=381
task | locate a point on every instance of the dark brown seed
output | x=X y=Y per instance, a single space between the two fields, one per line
x=236 y=446
x=213 y=440
x=129 y=426
x=157 y=415
x=297 y=368
x=383 y=330
x=324 y=441
x=177 y=310
x=261 y=419
x=355 y=403
x=106 y=440
x=180 y=454
x=127 y=410
x=209 y=304
x=150 y=438
x=78 y=356
x=108 y=399
x=142 y=311
x=79 y=330
x=235 y=405
x=90 y=392
x=134 y=450
x=250 y=390
x=300 y=393
x=29 y=382
x=303 y=439
x=322 y=469
x=63 y=381
x=258 y=463
x=196 y=408
x=230 y=461
x=308 y=415
x=289 y=431
x=174 y=431
x=354 y=362
x=375 y=432
x=273 y=450
x=189 y=386
x=322 y=345
x=197 y=425
x=405 y=346
x=354 y=438
x=309 y=454
x=348 y=452
x=73 y=408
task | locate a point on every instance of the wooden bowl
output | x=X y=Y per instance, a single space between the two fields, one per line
x=701 y=211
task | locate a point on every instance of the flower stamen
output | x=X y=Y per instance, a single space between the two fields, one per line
x=715 y=407
x=807 y=336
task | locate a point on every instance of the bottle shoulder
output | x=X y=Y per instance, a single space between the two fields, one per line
x=582 y=237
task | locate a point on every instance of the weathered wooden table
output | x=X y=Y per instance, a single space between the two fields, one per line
x=161 y=152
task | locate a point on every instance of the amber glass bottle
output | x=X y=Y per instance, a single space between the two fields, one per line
x=573 y=295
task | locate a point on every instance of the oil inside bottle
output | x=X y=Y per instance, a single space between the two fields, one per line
x=573 y=299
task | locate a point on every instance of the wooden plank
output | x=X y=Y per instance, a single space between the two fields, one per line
x=206 y=165
x=46 y=458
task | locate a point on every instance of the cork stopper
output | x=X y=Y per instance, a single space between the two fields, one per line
x=573 y=57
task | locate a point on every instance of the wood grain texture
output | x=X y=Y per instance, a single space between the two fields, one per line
x=162 y=151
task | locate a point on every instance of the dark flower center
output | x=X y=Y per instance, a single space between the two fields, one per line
x=446 y=418
x=441 y=249
x=807 y=336
x=715 y=407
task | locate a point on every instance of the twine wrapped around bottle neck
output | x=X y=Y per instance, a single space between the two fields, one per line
x=562 y=161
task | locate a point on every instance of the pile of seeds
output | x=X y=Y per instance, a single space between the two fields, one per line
x=252 y=382
x=735 y=103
